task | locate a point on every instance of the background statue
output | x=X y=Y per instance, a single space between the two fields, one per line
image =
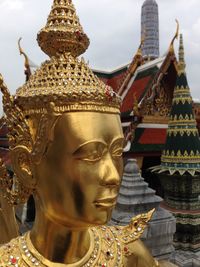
x=66 y=145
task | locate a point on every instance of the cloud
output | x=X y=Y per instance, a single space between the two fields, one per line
x=12 y=4
x=196 y=28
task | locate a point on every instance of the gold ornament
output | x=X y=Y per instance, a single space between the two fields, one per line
x=63 y=32
x=68 y=83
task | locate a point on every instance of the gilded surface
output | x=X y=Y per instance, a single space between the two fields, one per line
x=63 y=31
x=159 y=104
x=70 y=84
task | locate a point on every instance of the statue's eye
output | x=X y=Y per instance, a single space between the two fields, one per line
x=93 y=156
x=117 y=152
x=91 y=151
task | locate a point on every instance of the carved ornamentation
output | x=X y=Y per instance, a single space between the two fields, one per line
x=159 y=104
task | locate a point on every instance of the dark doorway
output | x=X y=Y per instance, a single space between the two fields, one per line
x=152 y=178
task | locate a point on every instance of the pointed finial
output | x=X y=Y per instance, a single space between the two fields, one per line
x=63 y=32
x=26 y=63
x=181 y=63
x=143 y=37
x=171 y=48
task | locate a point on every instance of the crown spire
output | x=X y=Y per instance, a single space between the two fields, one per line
x=63 y=32
x=181 y=64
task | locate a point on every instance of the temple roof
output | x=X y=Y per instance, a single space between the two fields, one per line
x=138 y=84
x=112 y=77
x=148 y=140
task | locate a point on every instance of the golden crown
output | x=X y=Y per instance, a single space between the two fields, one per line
x=70 y=84
x=65 y=80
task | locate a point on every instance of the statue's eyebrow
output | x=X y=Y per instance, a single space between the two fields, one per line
x=119 y=140
x=93 y=142
x=116 y=141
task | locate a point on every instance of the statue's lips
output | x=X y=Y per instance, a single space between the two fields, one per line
x=106 y=202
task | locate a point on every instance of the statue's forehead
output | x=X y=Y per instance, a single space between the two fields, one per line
x=85 y=119
x=77 y=128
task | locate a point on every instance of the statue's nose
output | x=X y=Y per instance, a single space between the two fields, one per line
x=110 y=174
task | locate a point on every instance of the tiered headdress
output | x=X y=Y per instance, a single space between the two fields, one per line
x=64 y=79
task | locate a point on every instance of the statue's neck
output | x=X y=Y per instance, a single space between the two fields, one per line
x=56 y=242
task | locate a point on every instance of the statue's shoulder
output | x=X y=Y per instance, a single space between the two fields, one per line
x=10 y=253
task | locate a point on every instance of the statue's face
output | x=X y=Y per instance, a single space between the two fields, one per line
x=80 y=175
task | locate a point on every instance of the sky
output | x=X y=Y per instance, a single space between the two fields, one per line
x=113 y=27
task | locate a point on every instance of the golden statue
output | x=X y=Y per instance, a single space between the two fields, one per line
x=66 y=145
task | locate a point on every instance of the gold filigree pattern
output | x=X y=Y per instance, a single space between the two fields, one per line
x=181 y=90
x=173 y=156
x=181 y=64
x=18 y=129
x=160 y=104
x=182 y=100
x=63 y=32
x=70 y=84
x=182 y=131
x=182 y=119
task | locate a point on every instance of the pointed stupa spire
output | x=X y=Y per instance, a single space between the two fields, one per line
x=181 y=63
x=63 y=32
x=182 y=147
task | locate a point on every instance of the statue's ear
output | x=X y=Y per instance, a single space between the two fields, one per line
x=22 y=166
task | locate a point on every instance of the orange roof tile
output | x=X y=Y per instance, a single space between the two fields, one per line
x=114 y=82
